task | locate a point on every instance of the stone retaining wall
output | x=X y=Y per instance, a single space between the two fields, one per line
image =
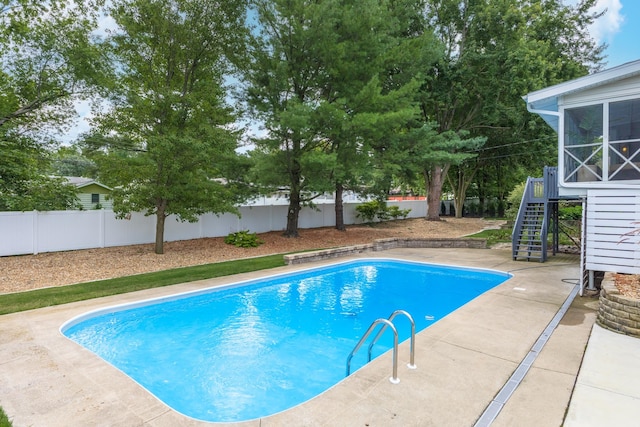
x=382 y=245
x=617 y=312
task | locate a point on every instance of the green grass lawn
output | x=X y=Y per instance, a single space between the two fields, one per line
x=21 y=301
x=4 y=420
x=494 y=236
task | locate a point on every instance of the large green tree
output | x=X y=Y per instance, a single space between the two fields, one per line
x=284 y=81
x=373 y=74
x=48 y=57
x=330 y=80
x=496 y=51
x=167 y=146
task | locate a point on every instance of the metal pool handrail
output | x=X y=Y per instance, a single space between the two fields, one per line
x=411 y=364
x=394 y=379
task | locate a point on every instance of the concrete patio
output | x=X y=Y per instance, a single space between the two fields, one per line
x=463 y=362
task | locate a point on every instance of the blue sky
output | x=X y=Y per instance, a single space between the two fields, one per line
x=619 y=28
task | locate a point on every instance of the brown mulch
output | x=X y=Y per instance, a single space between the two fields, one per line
x=628 y=284
x=21 y=273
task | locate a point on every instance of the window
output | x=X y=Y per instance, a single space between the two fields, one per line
x=95 y=198
x=624 y=140
x=583 y=144
x=593 y=155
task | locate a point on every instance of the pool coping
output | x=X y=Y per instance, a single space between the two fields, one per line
x=463 y=360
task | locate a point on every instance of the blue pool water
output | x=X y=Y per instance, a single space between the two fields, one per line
x=252 y=349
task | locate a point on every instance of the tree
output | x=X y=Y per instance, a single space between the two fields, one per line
x=373 y=76
x=324 y=78
x=24 y=186
x=496 y=52
x=284 y=82
x=166 y=146
x=69 y=161
x=47 y=58
x=434 y=150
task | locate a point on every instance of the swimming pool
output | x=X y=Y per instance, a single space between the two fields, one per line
x=252 y=349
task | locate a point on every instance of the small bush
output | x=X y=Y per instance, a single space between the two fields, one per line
x=243 y=239
x=513 y=201
x=368 y=211
x=395 y=212
x=573 y=213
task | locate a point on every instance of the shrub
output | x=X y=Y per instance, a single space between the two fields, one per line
x=513 y=201
x=243 y=239
x=369 y=211
x=395 y=212
x=573 y=213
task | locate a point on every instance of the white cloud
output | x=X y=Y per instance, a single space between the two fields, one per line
x=608 y=25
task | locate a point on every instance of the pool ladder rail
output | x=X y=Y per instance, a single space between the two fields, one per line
x=387 y=323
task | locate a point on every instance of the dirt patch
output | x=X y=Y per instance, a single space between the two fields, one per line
x=20 y=273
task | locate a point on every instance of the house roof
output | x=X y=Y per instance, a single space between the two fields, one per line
x=545 y=101
x=81 y=182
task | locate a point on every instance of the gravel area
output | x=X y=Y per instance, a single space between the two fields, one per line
x=20 y=273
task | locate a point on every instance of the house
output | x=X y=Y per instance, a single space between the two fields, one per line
x=597 y=118
x=91 y=193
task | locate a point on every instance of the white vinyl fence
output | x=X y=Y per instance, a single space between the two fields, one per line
x=34 y=232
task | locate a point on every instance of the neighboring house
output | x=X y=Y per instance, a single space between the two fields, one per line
x=91 y=193
x=597 y=118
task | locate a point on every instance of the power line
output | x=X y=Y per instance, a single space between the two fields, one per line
x=509 y=144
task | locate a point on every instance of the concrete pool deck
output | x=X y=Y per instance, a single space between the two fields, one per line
x=462 y=361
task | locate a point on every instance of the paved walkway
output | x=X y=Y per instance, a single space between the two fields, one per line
x=463 y=361
x=607 y=392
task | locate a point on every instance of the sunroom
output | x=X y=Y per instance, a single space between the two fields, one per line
x=597 y=118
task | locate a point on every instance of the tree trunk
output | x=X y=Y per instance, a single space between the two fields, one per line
x=160 y=217
x=294 y=200
x=292 y=216
x=339 y=208
x=460 y=186
x=433 y=183
x=458 y=206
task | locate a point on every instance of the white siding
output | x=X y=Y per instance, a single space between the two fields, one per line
x=610 y=214
x=85 y=201
x=626 y=88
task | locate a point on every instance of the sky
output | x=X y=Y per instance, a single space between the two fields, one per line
x=619 y=28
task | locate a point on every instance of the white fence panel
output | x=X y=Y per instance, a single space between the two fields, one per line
x=17 y=233
x=34 y=232
x=62 y=230
x=418 y=207
x=315 y=217
x=174 y=229
x=136 y=230
x=215 y=226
